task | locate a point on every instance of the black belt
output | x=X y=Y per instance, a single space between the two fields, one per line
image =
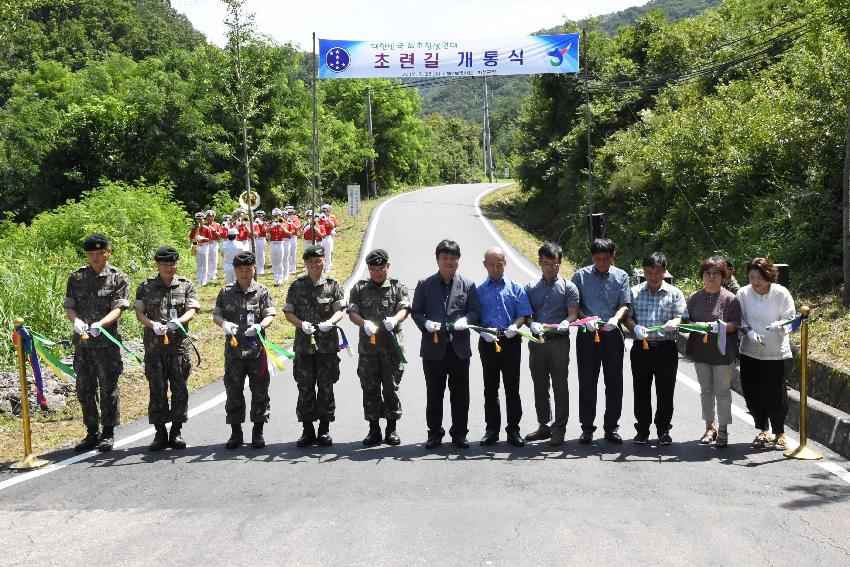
x=658 y=343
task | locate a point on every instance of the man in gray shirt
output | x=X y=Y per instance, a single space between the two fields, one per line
x=553 y=301
x=604 y=292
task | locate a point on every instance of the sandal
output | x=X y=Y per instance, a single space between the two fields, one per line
x=709 y=436
x=769 y=439
x=781 y=444
x=722 y=439
x=760 y=440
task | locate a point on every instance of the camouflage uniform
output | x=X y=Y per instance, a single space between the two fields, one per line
x=97 y=361
x=167 y=364
x=316 y=369
x=380 y=364
x=247 y=358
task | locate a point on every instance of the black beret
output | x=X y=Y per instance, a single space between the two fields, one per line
x=166 y=254
x=377 y=257
x=95 y=241
x=243 y=259
x=314 y=251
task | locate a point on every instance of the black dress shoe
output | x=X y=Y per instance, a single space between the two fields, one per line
x=88 y=442
x=460 y=441
x=489 y=438
x=586 y=437
x=325 y=440
x=107 y=441
x=392 y=438
x=433 y=442
x=541 y=434
x=373 y=438
x=614 y=437
x=515 y=439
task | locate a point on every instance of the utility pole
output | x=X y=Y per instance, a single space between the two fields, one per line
x=587 y=127
x=243 y=119
x=315 y=137
x=488 y=151
x=371 y=185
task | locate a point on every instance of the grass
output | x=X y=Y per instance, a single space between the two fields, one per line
x=55 y=429
x=499 y=207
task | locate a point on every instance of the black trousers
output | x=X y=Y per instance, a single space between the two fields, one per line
x=453 y=371
x=590 y=355
x=502 y=365
x=660 y=361
x=765 y=391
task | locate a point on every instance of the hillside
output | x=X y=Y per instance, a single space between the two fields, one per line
x=464 y=99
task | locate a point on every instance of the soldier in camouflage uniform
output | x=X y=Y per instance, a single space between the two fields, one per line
x=242 y=310
x=162 y=302
x=95 y=298
x=378 y=305
x=314 y=303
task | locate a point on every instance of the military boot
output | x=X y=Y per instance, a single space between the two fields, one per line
x=374 y=436
x=308 y=437
x=391 y=437
x=235 y=436
x=160 y=440
x=175 y=439
x=88 y=442
x=107 y=440
x=325 y=439
x=257 y=440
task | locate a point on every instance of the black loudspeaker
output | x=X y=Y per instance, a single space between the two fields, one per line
x=784 y=278
x=596 y=223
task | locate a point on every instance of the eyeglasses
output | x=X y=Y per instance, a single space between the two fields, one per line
x=713 y=274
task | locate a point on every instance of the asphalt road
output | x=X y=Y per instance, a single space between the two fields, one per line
x=348 y=505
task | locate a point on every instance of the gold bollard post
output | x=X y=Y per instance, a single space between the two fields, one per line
x=802 y=452
x=29 y=461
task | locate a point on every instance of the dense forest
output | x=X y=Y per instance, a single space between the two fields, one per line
x=724 y=132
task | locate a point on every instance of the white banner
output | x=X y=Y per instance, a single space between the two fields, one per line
x=346 y=59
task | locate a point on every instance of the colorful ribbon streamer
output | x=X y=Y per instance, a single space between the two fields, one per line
x=794 y=322
x=495 y=331
x=29 y=349
x=272 y=351
x=59 y=368
x=122 y=345
x=399 y=349
x=343 y=340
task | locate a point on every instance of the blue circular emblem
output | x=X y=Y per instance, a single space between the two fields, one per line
x=337 y=59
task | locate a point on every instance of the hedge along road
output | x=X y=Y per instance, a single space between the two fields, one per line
x=626 y=505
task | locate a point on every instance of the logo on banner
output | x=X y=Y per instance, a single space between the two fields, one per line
x=337 y=59
x=558 y=55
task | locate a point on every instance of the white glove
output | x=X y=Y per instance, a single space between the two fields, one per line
x=308 y=327
x=432 y=327
x=325 y=326
x=80 y=327
x=715 y=327
x=592 y=326
x=370 y=328
x=94 y=329
x=776 y=326
x=753 y=336
x=389 y=324
x=670 y=326
x=159 y=328
x=611 y=324
x=461 y=324
x=229 y=328
x=536 y=328
x=174 y=324
x=564 y=325
x=489 y=337
x=640 y=332
x=253 y=330
x=511 y=331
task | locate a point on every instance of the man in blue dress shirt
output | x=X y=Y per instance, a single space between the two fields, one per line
x=604 y=293
x=444 y=304
x=504 y=307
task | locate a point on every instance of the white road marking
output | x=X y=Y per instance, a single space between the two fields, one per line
x=495 y=234
x=217 y=400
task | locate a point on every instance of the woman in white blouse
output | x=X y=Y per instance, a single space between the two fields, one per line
x=764 y=303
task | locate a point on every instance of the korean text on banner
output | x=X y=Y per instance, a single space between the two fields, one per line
x=347 y=59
